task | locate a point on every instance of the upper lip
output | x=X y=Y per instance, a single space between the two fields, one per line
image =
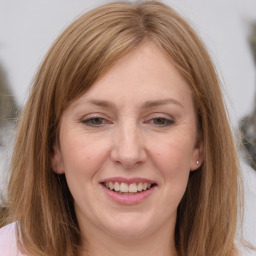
x=128 y=180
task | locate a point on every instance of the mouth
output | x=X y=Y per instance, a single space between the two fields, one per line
x=128 y=191
x=124 y=188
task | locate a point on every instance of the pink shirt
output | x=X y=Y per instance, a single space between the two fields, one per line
x=8 y=243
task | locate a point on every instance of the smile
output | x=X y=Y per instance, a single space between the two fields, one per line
x=122 y=187
x=128 y=191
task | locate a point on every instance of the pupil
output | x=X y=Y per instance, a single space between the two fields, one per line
x=160 y=121
x=96 y=121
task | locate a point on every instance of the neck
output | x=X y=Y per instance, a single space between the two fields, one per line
x=159 y=243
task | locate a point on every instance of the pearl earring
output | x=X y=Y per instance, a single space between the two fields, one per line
x=197 y=162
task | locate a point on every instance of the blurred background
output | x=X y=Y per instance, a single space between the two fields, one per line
x=228 y=28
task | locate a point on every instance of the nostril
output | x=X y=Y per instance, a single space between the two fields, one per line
x=128 y=154
x=129 y=163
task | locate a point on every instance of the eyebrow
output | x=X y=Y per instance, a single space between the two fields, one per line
x=156 y=103
x=146 y=105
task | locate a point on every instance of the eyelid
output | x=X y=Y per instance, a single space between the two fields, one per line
x=169 y=120
x=91 y=118
x=94 y=115
x=87 y=118
x=159 y=115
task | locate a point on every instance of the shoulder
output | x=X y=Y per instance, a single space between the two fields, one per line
x=8 y=241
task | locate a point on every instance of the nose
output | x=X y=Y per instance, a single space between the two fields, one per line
x=128 y=146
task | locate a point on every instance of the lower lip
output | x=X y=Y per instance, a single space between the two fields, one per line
x=128 y=199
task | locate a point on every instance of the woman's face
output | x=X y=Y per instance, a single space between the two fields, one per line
x=127 y=146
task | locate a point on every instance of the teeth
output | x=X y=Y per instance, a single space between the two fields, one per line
x=125 y=188
x=145 y=186
x=116 y=186
x=111 y=185
x=133 y=188
x=140 y=186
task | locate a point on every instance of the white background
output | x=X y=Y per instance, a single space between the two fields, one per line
x=28 y=27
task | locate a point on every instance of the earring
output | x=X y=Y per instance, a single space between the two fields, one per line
x=197 y=162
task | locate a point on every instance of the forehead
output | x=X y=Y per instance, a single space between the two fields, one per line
x=145 y=74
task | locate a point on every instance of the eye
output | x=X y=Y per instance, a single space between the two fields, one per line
x=161 y=121
x=94 y=121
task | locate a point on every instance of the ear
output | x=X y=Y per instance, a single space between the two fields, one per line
x=198 y=154
x=57 y=160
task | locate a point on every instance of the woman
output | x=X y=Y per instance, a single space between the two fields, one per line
x=124 y=145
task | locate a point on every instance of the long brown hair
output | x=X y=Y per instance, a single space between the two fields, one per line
x=40 y=199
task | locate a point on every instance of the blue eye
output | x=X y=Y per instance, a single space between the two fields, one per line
x=94 y=121
x=161 y=121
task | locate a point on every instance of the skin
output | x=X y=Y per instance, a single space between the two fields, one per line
x=111 y=131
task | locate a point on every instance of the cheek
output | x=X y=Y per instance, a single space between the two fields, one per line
x=83 y=157
x=83 y=161
x=172 y=155
x=172 y=159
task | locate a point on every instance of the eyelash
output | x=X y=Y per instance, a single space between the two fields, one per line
x=167 y=122
x=91 y=121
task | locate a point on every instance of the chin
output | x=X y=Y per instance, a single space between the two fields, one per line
x=130 y=226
